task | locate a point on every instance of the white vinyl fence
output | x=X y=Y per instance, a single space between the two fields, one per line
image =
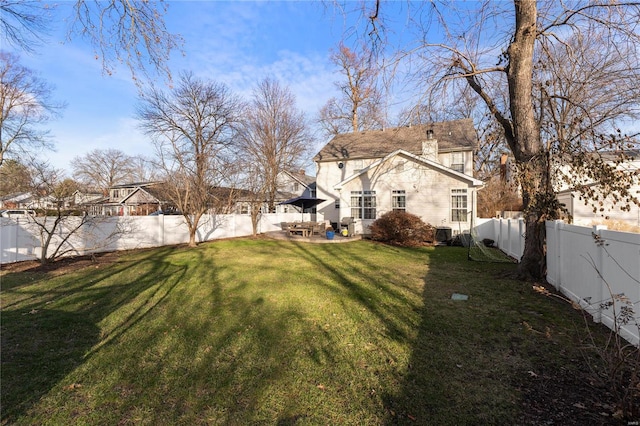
x=20 y=238
x=508 y=234
x=600 y=270
x=592 y=266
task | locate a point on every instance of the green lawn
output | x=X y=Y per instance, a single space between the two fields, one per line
x=275 y=332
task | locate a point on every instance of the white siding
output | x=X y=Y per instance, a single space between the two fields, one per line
x=428 y=190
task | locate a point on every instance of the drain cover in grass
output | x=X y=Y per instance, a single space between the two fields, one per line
x=458 y=296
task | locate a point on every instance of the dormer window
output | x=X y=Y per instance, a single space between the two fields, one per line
x=430 y=134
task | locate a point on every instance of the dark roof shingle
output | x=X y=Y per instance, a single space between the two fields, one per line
x=451 y=135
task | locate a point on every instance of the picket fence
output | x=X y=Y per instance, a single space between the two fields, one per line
x=597 y=268
x=20 y=238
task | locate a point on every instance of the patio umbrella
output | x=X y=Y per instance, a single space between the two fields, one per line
x=304 y=202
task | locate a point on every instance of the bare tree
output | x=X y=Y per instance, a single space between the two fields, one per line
x=254 y=194
x=120 y=31
x=101 y=169
x=143 y=169
x=61 y=230
x=14 y=177
x=23 y=23
x=192 y=127
x=359 y=106
x=495 y=48
x=580 y=122
x=275 y=136
x=463 y=103
x=497 y=195
x=26 y=104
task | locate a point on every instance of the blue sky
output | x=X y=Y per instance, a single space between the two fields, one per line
x=237 y=43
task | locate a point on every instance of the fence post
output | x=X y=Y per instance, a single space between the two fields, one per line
x=509 y=249
x=17 y=228
x=558 y=230
x=599 y=263
x=521 y=237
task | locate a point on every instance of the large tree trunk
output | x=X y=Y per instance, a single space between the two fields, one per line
x=192 y=223
x=526 y=143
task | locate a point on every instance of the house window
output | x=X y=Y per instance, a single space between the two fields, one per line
x=358 y=165
x=399 y=200
x=296 y=187
x=337 y=203
x=457 y=161
x=244 y=209
x=458 y=205
x=116 y=193
x=363 y=204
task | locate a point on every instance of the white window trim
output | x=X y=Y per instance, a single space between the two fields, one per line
x=457 y=164
x=396 y=195
x=358 y=211
x=460 y=210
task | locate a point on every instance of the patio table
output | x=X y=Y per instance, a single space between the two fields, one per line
x=301 y=228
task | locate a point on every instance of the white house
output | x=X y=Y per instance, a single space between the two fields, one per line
x=293 y=184
x=425 y=170
x=589 y=212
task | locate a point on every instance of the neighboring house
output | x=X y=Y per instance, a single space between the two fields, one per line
x=290 y=184
x=226 y=200
x=133 y=199
x=27 y=200
x=85 y=200
x=16 y=201
x=425 y=170
x=582 y=211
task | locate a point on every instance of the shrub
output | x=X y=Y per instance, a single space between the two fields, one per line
x=402 y=229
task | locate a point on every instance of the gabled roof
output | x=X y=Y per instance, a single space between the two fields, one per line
x=453 y=135
x=17 y=197
x=301 y=177
x=416 y=158
x=150 y=191
x=225 y=193
x=134 y=185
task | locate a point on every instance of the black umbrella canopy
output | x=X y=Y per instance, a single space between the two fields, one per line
x=303 y=202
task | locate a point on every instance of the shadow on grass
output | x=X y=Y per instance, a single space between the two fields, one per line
x=42 y=344
x=490 y=359
x=254 y=332
x=348 y=268
x=461 y=362
x=39 y=348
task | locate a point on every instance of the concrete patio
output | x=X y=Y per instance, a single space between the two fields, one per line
x=318 y=239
